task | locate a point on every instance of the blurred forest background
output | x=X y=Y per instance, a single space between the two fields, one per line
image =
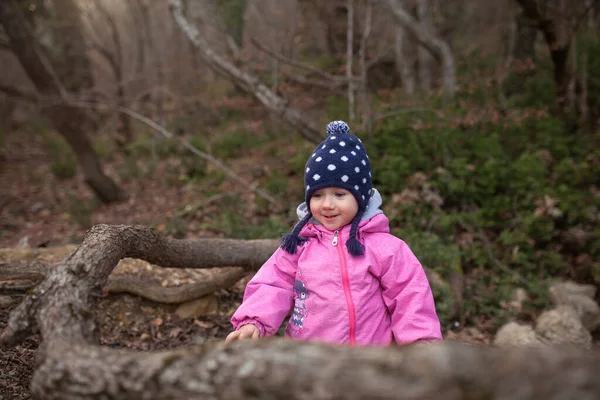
x=196 y=117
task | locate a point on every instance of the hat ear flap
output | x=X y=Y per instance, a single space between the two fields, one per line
x=291 y=241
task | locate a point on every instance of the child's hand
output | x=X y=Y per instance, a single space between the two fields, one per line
x=244 y=332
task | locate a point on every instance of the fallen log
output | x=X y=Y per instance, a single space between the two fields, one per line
x=23 y=269
x=282 y=369
x=71 y=364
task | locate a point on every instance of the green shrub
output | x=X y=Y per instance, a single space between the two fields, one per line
x=63 y=162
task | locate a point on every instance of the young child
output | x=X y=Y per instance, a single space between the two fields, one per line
x=346 y=279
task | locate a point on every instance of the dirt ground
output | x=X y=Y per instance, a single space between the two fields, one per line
x=125 y=322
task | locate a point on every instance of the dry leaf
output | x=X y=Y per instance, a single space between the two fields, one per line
x=204 y=324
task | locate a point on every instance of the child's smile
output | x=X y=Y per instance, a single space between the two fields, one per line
x=333 y=207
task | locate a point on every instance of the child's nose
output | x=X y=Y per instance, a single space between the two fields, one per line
x=328 y=202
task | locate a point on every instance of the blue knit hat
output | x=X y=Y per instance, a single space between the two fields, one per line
x=339 y=161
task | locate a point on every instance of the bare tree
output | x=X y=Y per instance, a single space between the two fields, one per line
x=66 y=73
x=114 y=58
x=362 y=59
x=350 y=58
x=404 y=61
x=439 y=48
x=425 y=58
x=248 y=83
x=558 y=22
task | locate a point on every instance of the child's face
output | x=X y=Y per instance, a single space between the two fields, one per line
x=333 y=207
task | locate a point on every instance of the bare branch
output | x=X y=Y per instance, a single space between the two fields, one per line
x=439 y=48
x=298 y=64
x=350 y=58
x=136 y=279
x=246 y=82
x=579 y=19
x=364 y=90
x=166 y=133
x=318 y=83
x=85 y=272
x=533 y=12
x=108 y=55
x=19 y=93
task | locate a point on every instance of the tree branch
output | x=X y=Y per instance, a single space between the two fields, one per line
x=73 y=283
x=439 y=48
x=19 y=93
x=350 y=58
x=246 y=82
x=298 y=64
x=164 y=132
x=533 y=12
x=132 y=276
x=362 y=59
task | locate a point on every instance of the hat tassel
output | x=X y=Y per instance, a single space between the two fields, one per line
x=355 y=247
x=291 y=241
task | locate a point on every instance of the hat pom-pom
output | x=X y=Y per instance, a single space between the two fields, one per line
x=337 y=128
x=355 y=247
x=290 y=242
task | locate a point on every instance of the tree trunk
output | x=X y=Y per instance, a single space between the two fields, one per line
x=558 y=37
x=243 y=80
x=425 y=59
x=439 y=48
x=131 y=276
x=526 y=37
x=404 y=62
x=226 y=262
x=70 y=122
x=71 y=364
x=362 y=60
x=115 y=60
x=350 y=59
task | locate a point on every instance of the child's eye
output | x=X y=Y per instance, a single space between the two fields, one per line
x=317 y=195
x=340 y=194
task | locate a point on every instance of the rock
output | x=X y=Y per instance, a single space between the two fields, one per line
x=519 y=297
x=202 y=307
x=562 y=325
x=581 y=298
x=576 y=288
x=514 y=334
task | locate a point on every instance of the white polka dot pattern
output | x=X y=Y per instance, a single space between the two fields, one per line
x=339 y=161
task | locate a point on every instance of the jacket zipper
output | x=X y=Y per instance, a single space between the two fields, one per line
x=346 y=284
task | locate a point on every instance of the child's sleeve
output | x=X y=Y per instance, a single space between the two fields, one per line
x=269 y=295
x=408 y=297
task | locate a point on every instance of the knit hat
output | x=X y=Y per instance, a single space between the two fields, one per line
x=339 y=161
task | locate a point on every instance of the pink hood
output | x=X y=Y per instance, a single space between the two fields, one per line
x=334 y=297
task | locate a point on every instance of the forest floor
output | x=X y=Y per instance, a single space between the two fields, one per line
x=39 y=210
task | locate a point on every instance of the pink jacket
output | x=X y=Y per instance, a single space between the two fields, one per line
x=337 y=298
